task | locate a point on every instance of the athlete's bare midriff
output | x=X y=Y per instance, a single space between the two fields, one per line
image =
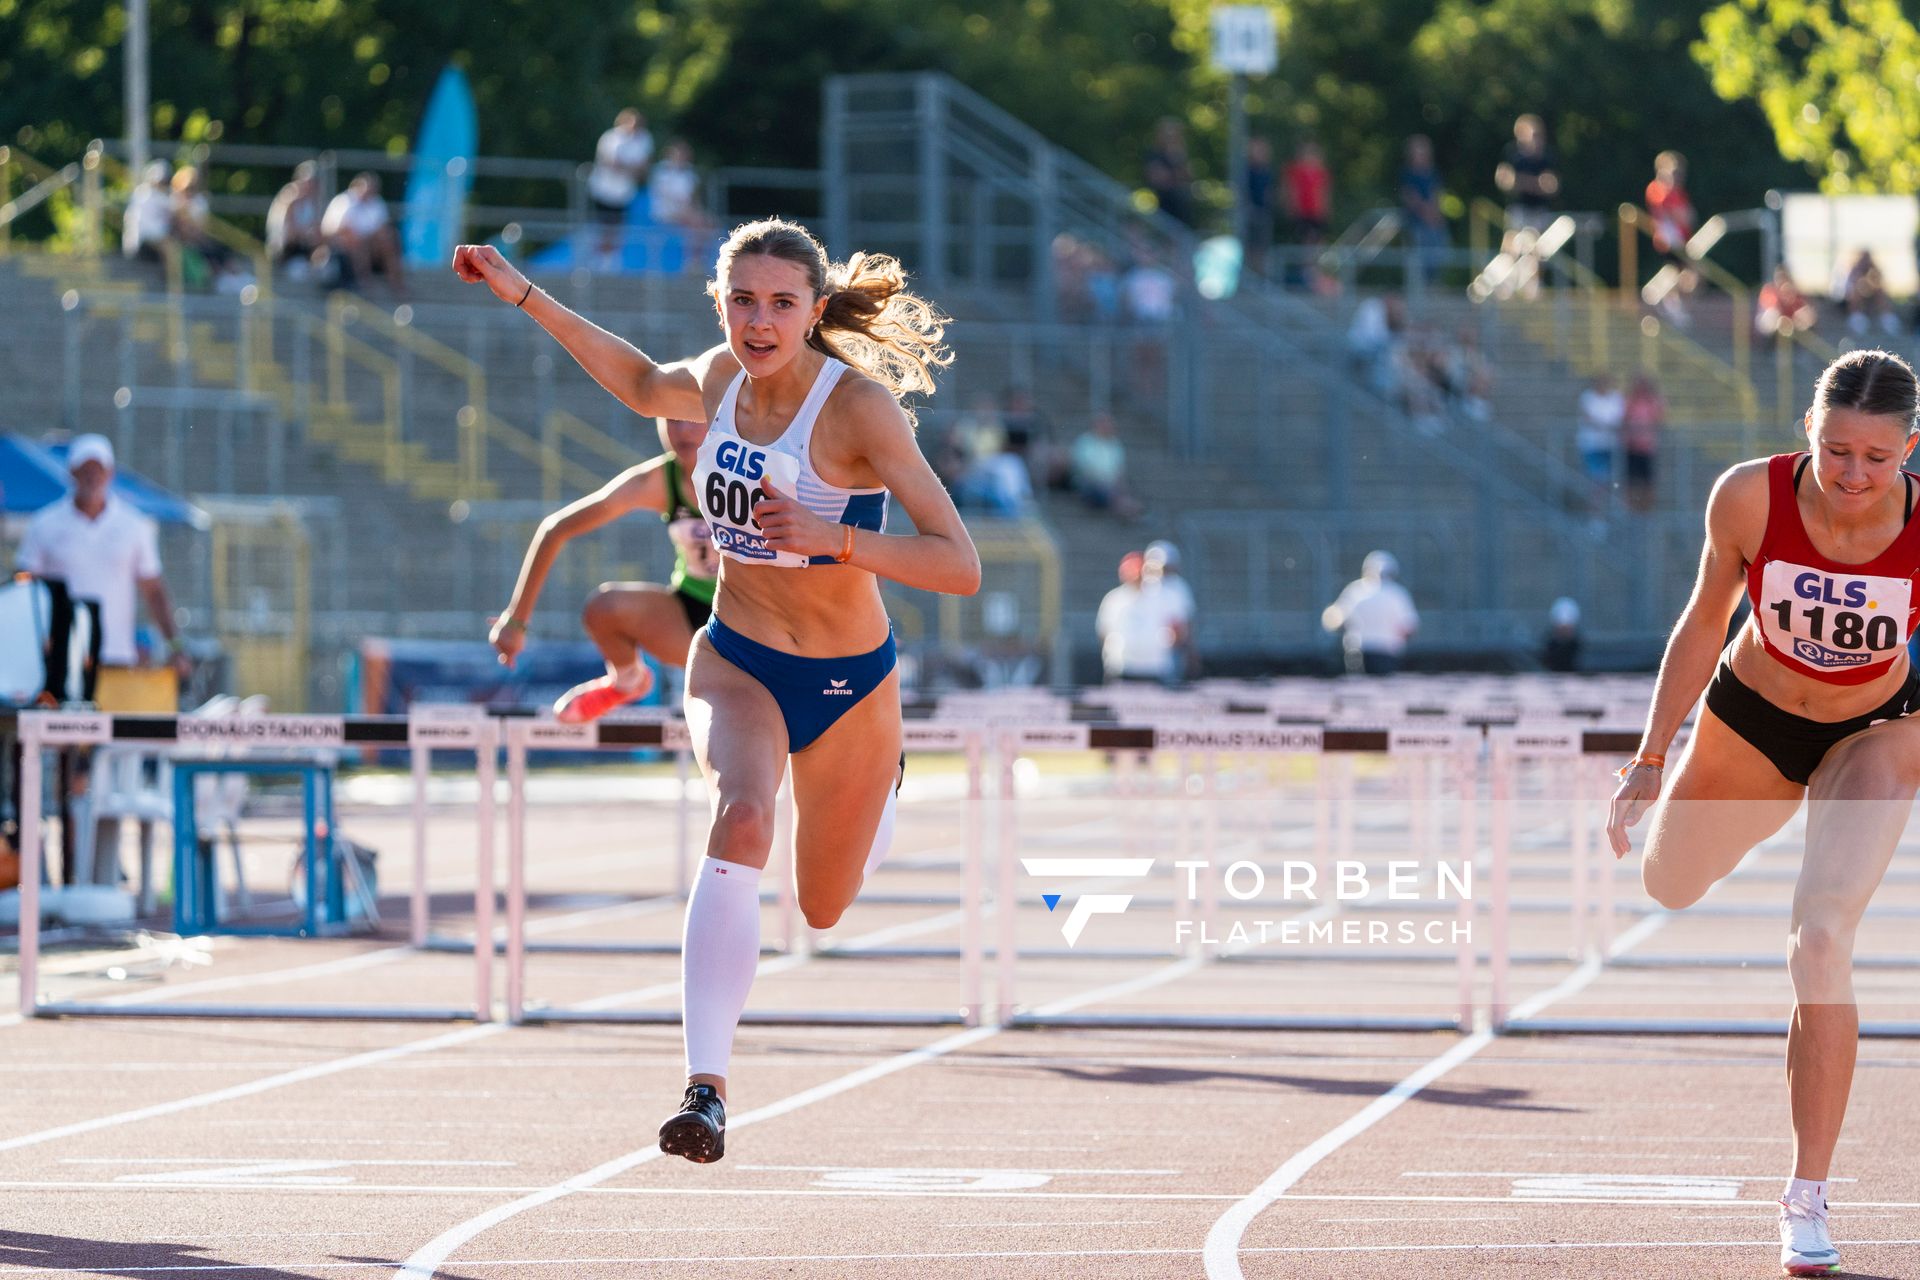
x=1802 y=695
x=821 y=611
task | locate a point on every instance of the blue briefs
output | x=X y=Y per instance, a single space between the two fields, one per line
x=812 y=692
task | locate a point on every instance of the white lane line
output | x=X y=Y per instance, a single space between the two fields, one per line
x=317 y=1071
x=1222 y=1249
x=446 y=1190
x=320 y=1070
x=366 y=960
x=426 y=1260
x=695 y=1260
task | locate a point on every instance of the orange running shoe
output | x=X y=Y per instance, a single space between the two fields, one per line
x=588 y=702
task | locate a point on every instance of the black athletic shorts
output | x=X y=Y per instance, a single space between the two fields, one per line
x=1795 y=744
x=696 y=609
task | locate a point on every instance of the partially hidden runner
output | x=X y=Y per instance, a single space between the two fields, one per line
x=627 y=619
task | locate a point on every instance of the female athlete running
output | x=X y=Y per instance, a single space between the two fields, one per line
x=808 y=445
x=1812 y=698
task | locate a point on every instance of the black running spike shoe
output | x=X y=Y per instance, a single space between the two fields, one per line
x=699 y=1131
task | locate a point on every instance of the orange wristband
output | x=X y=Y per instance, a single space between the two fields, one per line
x=846 y=548
x=1647 y=759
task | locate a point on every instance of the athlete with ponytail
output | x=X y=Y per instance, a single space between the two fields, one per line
x=1813 y=698
x=808 y=445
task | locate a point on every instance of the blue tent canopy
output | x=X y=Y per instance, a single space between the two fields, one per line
x=33 y=475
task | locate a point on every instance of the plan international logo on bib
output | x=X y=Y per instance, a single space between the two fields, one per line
x=1820 y=655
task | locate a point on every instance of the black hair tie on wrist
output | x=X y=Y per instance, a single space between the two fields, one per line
x=526 y=295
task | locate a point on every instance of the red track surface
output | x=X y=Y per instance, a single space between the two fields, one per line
x=287 y=1149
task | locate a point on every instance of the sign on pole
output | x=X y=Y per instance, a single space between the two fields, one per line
x=1245 y=42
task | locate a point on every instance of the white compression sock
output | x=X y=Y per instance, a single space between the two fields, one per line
x=883 y=835
x=719 y=952
x=628 y=678
x=1808 y=1196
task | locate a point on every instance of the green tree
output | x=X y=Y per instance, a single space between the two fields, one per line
x=1838 y=81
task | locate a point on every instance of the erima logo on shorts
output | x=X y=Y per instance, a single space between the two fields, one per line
x=1819 y=654
x=1087 y=905
x=839 y=689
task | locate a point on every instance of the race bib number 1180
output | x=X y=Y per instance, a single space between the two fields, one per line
x=1833 y=621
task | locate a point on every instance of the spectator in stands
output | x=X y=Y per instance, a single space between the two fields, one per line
x=1864 y=292
x=293 y=223
x=1374 y=616
x=1466 y=377
x=1151 y=294
x=1259 y=204
x=1169 y=172
x=1308 y=186
x=1085 y=280
x=1783 y=308
x=105 y=551
x=147 y=230
x=673 y=191
x=620 y=161
x=1561 y=652
x=1674 y=222
x=994 y=478
x=361 y=238
x=1377 y=327
x=204 y=261
x=1160 y=570
x=1027 y=433
x=1142 y=626
x=980 y=432
x=1597 y=437
x=1529 y=176
x=1420 y=205
x=1115 y=614
x=1641 y=422
x=1099 y=468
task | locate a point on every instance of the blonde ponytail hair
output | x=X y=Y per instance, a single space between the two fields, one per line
x=870 y=321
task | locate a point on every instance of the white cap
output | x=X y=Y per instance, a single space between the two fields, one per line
x=1380 y=564
x=90 y=448
x=1165 y=553
x=1565 y=612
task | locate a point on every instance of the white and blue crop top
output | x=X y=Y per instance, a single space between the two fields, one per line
x=731 y=470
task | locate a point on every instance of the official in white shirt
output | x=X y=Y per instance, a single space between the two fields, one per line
x=1375 y=616
x=105 y=551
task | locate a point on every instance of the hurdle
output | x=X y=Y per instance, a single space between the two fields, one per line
x=1454 y=745
x=1592 y=903
x=525 y=737
x=41 y=729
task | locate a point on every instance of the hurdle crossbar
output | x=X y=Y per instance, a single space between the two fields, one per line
x=1211 y=738
x=524 y=737
x=1593 y=904
x=41 y=729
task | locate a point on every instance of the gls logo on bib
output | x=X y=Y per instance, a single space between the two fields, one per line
x=1833 y=621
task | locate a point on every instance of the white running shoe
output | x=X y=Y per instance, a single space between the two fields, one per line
x=1805 y=1247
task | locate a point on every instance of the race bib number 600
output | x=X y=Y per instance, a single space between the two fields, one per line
x=1833 y=621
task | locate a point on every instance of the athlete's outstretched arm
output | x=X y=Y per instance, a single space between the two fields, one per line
x=641 y=488
x=633 y=378
x=938 y=556
x=1693 y=650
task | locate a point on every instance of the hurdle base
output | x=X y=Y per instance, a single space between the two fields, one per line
x=1687 y=1027
x=1227 y=1022
x=752 y=1018
x=243 y=1012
